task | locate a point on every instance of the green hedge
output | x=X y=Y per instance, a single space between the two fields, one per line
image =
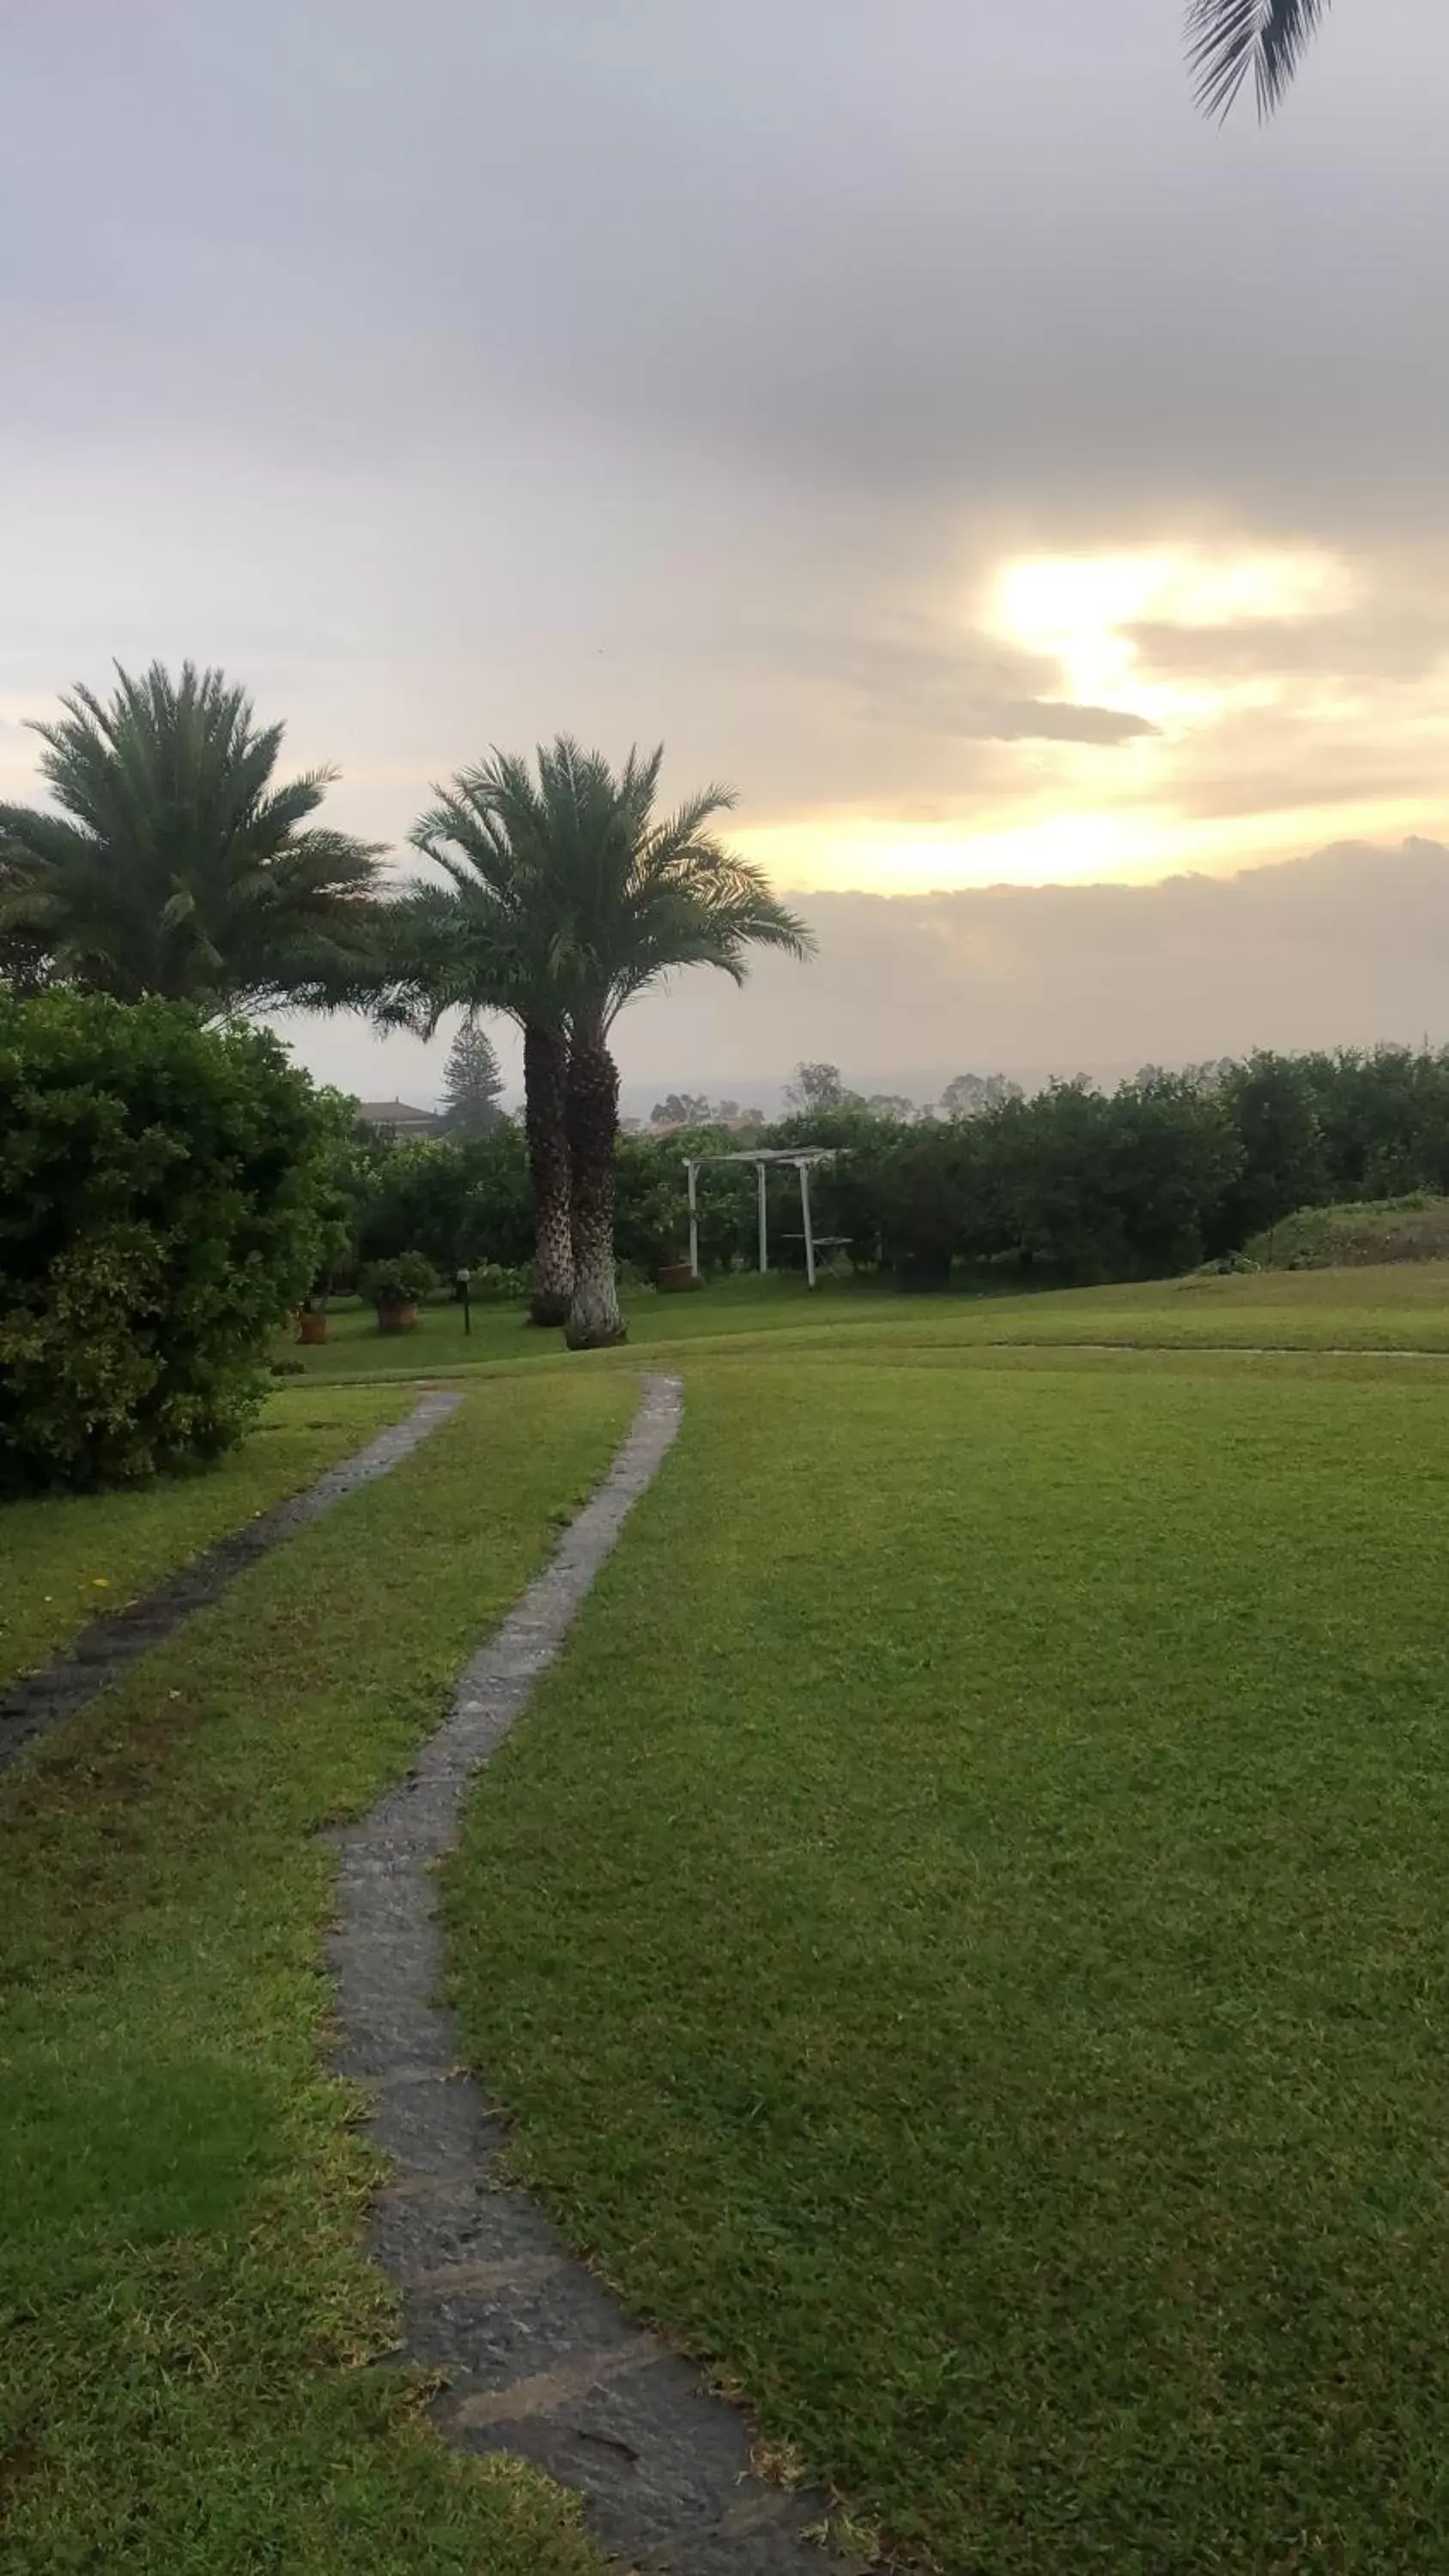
x=160 y=1194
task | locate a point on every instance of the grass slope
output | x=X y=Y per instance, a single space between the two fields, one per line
x=183 y=2308
x=963 y=1934
x=64 y=1558
x=1390 y=1308
x=1415 y=1228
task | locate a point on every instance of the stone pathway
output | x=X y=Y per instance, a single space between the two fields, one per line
x=539 y=2359
x=103 y=1649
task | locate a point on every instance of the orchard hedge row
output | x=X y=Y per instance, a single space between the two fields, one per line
x=1074 y=1184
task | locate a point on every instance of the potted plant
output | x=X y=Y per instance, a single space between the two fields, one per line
x=312 y=1313
x=395 y=1287
x=311 y=1321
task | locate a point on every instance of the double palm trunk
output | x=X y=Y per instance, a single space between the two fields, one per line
x=545 y=1099
x=593 y=1123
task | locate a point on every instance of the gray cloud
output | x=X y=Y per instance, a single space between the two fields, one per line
x=1347 y=947
x=1003 y=257
x=977 y=688
x=1058 y=720
x=459 y=374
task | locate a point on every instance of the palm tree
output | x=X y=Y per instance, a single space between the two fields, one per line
x=482 y=944
x=1229 y=39
x=174 y=866
x=629 y=897
x=569 y=897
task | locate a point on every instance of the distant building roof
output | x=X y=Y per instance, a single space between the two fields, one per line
x=399 y=1116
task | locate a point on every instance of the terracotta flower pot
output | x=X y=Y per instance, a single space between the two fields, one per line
x=311 y=1328
x=397 y=1319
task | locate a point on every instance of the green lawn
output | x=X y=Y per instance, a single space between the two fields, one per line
x=65 y=1558
x=964 y=1933
x=1400 y=1307
x=185 y=2320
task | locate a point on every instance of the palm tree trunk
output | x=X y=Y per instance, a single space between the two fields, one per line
x=593 y=1123
x=545 y=1101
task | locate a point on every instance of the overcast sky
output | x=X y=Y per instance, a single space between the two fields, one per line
x=909 y=410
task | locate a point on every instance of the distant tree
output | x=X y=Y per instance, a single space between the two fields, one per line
x=1384 y=1117
x=818 y=1086
x=891 y=1104
x=1273 y=1103
x=970 y=1095
x=682 y=1109
x=472 y=1083
x=1173 y=1152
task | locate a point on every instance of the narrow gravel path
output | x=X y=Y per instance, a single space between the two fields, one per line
x=103 y=1649
x=539 y=2359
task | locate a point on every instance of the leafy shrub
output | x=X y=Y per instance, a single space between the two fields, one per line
x=1228 y=1265
x=403 y=1280
x=498 y=1283
x=160 y=1186
x=452 y=1200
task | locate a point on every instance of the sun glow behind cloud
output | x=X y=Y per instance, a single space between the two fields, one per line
x=1254 y=745
x=1081 y=610
x=1078 y=847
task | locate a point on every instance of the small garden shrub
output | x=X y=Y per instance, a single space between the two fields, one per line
x=405 y=1280
x=499 y=1283
x=160 y=1186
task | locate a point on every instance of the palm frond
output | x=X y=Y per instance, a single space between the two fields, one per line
x=175 y=865
x=1227 y=40
x=565 y=895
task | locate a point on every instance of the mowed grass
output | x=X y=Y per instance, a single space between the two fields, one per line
x=64 y=1559
x=1398 y=1307
x=964 y=1937
x=186 y=2324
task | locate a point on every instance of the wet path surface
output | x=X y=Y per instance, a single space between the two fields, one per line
x=540 y=2360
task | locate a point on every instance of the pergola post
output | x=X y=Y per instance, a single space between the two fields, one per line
x=760 y=1181
x=804 y=1171
x=692 y=1169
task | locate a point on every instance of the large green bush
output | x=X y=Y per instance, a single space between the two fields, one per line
x=160 y=1196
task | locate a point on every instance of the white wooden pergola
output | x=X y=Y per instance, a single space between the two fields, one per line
x=804 y=1159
